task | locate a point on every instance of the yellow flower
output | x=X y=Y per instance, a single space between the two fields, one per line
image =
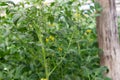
x=88 y=31
x=43 y=79
x=52 y=25
x=60 y=49
x=77 y=15
x=47 y=40
x=51 y=38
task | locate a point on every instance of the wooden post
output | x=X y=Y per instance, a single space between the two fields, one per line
x=108 y=38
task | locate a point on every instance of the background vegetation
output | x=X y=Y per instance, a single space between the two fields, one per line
x=49 y=41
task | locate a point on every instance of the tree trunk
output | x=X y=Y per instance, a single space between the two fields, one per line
x=108 y=38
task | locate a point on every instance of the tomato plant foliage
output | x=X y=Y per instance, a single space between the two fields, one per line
x=55 y=41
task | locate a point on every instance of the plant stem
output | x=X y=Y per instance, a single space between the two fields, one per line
x=45 y=61
x=43 y=51
x=63 y=56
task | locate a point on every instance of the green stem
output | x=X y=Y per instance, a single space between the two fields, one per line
x=43 y=51
x=45 y=61
x=63 y=56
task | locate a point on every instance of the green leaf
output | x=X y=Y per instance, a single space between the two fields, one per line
x=3 y=4
x=51 y=18
x=10 y=2
x=18 y=71
x=16 y=18
x=98 y=7
x=107 y=78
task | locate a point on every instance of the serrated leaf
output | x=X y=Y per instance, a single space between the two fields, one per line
x=16 y=17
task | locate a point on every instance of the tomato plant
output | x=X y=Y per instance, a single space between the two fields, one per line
x=49 y=41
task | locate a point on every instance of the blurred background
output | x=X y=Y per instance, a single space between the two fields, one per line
x=86 y=6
